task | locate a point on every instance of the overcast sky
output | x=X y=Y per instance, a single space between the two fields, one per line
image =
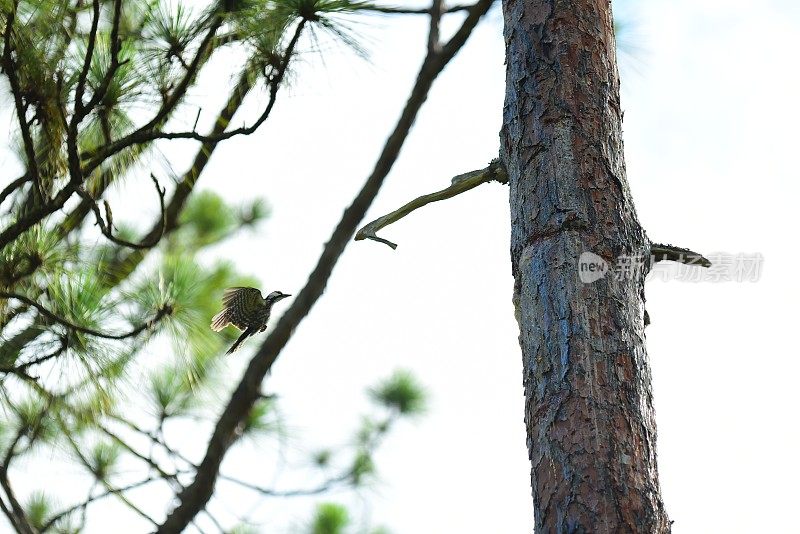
x=711 y=144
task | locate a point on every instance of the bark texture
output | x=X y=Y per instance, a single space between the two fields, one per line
x=588 y=401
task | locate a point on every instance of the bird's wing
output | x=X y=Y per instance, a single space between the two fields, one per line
x=237 y=304
x=221 y=320
x=248 y=294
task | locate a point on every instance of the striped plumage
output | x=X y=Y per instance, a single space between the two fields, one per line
x=247 y=310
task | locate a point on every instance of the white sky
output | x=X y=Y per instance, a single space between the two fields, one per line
x=711 y=144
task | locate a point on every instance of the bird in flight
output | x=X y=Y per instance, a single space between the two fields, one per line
x=247 y=310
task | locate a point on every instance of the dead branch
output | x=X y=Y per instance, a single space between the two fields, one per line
x=659 y=252
x=106 y=227
x=494 y=172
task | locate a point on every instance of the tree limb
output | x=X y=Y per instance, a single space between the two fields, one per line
x=659 y=252
x=194 y=498
x=494 y=172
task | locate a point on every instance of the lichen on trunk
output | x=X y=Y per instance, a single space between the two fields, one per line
x=588 y=409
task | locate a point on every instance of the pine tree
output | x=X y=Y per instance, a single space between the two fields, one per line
x=105 y=324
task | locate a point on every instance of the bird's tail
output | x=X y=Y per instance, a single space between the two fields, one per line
x=247 y=333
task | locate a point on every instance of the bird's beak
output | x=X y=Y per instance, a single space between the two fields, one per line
x=284 y=296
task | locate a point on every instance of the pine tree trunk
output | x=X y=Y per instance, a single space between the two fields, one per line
x=588 y=401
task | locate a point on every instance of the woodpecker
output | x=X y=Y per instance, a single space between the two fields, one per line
x=247 y=310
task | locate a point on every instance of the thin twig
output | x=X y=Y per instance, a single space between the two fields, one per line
x=106 y=228
x=300 y=492
x=87 y=464
x=394 y=10
x=41 y=359
x=10 y=188
x=147 y=130
x=18 y=518
x=108 y=491
x=127 y=264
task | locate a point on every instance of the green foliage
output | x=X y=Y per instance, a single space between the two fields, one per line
x=330 y=518
x=401 y=393
x=38 y=508
x=262 y=419
x=172 y=392
x=363 y=467
x=104 y=458
x=206 y=220
x=67 y=393
x=35 y=420
x=322 y=458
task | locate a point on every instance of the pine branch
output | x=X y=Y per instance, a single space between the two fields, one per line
x=197 y=494
x=77 y=172
x=10 y=70
x=122 y=268
x=146 y=136
x=141 y=134
x=116 y=45
x=163 y=312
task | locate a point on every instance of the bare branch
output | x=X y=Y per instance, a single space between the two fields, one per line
x=328 y=485
x=197 y=494
x=17 y=517
x=661 y=252
x=21 y=369
x=10 y=188
x=461 y=183
x=163 y=312
x=393 y=10
x=436 y=18
x=149 y=241
x=87 y=464
x=108 y=491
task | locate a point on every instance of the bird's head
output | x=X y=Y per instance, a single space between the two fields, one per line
x=275 y=296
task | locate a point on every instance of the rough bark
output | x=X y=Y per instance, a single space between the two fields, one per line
x=588 y=400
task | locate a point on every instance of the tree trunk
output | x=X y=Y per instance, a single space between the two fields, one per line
x=588 y=401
